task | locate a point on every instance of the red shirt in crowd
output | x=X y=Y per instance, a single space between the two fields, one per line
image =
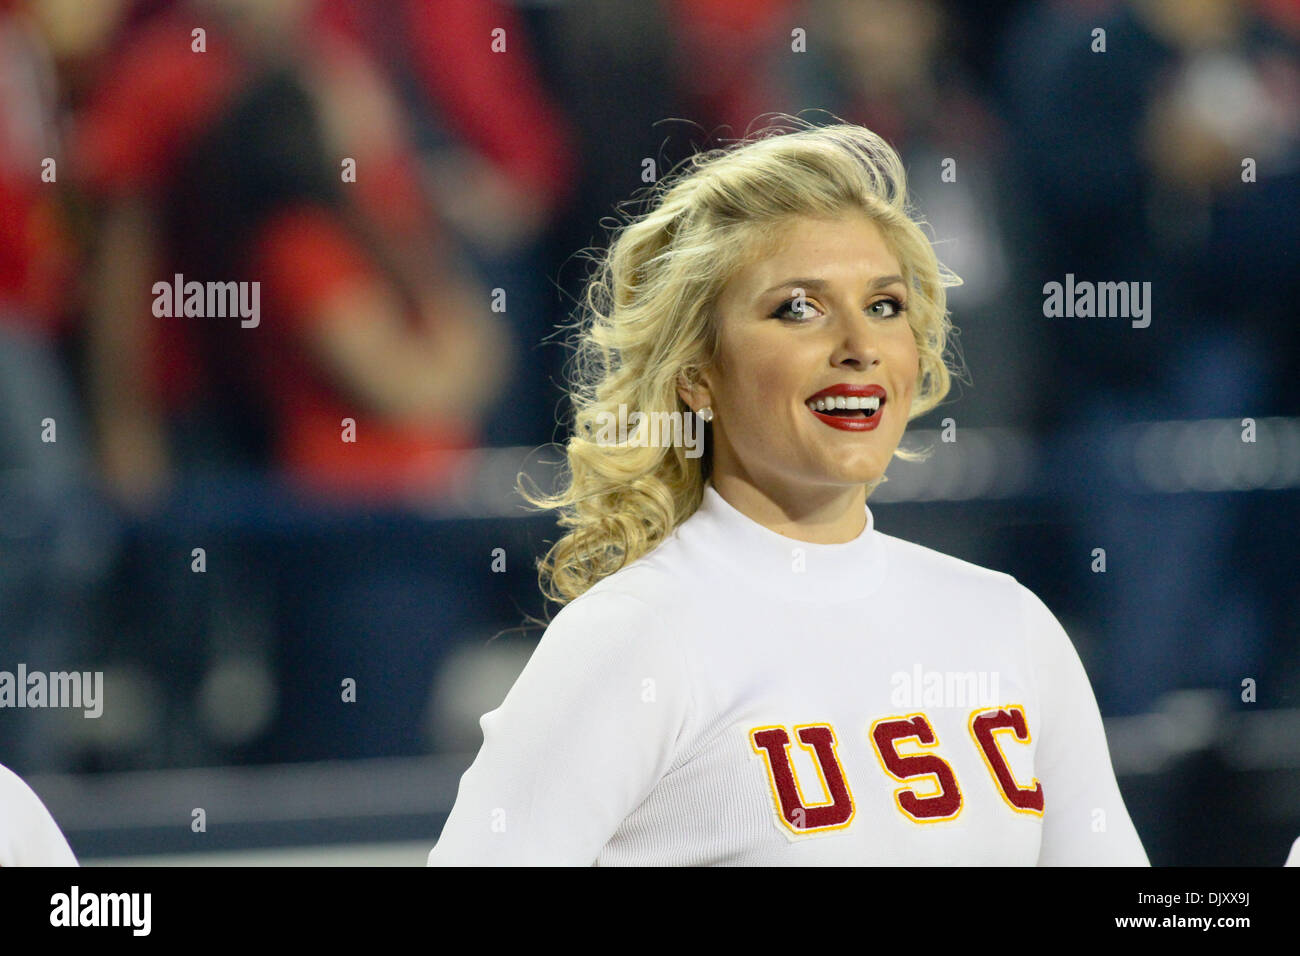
x=158 y=96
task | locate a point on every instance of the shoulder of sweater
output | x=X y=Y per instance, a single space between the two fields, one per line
x=659 y=580
x=939 y=568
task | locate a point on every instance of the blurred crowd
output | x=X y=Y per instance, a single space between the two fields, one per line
x=409 y=182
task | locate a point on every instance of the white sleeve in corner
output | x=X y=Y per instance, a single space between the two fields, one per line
x=582 y=737
x=28 y=834
x=1085 y=822
x=1293 y=859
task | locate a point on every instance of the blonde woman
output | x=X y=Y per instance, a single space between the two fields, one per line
x=745 y=670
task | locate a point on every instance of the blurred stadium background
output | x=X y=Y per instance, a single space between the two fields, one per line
x=480 y=173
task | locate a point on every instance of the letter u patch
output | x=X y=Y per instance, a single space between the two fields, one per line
x=799 y=816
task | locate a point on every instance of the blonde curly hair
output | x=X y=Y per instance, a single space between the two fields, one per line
x=647 y=323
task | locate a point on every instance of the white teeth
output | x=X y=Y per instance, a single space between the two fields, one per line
x=867 y=403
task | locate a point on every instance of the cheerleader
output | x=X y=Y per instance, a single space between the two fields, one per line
x=731 y=678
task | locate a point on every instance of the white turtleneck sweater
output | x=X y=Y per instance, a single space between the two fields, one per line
x=737 y=697
x=28 y=834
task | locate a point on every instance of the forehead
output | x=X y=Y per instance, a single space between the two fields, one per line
x=843 y=249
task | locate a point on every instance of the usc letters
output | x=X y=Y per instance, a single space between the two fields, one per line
x=886 y=734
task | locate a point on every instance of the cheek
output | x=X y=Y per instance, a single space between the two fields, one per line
x=909 y=357
x=911 y=345
x=907 y=353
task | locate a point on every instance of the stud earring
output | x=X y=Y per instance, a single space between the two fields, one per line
x=706 y=413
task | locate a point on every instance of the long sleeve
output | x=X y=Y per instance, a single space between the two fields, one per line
x=585 y=733
x=1085 y=822
x=28 y=834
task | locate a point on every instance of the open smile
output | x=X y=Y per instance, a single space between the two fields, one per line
x=855 y=408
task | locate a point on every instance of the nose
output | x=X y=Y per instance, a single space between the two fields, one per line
x=858 y=345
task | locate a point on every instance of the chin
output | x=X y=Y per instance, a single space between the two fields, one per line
x=857 y=474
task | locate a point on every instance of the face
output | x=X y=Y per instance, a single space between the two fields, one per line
x=772 y=360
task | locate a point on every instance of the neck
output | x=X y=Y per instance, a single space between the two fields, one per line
x=826 y=514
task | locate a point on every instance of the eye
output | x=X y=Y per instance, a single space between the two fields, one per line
x=795 y=315
x=896 y=308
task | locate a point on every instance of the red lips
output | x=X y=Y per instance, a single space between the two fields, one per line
x=865 y=424
x=858 y=391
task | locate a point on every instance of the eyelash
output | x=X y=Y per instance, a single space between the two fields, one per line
x=899 y=309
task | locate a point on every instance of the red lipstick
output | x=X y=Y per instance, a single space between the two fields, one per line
x=850 y=423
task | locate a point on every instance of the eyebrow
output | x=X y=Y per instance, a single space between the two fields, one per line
x=820 y=285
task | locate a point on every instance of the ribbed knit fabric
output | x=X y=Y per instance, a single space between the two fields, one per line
x=737 y=697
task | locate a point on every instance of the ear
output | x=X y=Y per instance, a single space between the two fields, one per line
x=696 y=395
